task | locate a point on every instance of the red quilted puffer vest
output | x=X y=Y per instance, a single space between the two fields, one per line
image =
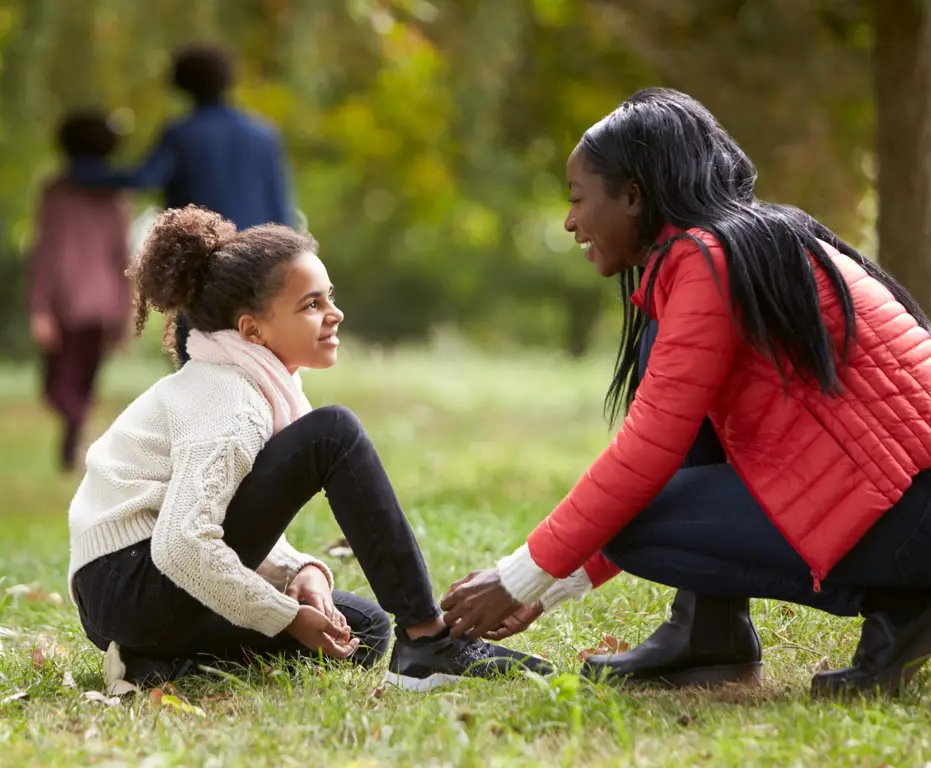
x=823 y=468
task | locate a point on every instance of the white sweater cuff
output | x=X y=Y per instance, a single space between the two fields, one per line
x=278 y=617
x=311 y=560
x=523 y=579
x=574 y=587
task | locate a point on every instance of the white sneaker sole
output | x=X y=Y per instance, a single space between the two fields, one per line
x=436 y=680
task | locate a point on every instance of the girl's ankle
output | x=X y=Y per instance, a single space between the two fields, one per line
x=425 y=629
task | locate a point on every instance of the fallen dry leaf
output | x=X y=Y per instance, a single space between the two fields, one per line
x=175 y=702
x=685 y=720
x=38 y=658
x=214 y=699
x=340 y=549
x=156 y=696
x=121 y=688
x=18 y=696
x=824 y=665
x=378 y=692
x=606 y=645
x=98 y=696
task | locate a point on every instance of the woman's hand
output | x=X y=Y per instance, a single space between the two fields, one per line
x=311 y=587
x=477 y=604
x=314 y=630
x=517 y=622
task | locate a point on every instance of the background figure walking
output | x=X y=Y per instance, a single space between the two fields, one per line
x=79 y=299
x=217 y=156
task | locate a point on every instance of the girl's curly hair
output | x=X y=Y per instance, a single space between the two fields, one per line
x=194 y=261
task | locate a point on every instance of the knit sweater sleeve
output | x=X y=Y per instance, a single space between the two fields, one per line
x=283 y=563
x=187 y=541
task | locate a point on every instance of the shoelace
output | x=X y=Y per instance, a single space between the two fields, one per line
x=470 y=652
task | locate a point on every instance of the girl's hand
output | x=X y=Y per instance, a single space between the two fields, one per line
x=314 y=630
x=311 y=587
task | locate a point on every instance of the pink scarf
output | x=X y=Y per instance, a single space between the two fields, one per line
x=282 y=390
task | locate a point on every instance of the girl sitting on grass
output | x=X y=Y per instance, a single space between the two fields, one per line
x=177 y=530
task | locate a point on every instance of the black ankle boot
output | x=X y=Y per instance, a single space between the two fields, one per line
x=890 y=652
x=706 y=641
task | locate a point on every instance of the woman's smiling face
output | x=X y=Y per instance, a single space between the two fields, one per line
x=604 y=225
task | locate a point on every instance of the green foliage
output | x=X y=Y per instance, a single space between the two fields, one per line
x=428 y=137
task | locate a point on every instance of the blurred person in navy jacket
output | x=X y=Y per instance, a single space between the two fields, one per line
x=216 y=156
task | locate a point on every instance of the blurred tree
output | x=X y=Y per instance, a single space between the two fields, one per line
x=903 y=95
x=428 y=137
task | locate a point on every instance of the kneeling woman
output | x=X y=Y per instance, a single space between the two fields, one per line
x=178 y=550
x=778 y=436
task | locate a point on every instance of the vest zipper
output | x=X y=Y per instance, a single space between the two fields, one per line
x=817 y=581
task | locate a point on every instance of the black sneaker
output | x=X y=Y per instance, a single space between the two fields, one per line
x=425 y=663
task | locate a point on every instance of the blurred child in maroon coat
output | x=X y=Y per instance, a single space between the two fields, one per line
x=79 y=298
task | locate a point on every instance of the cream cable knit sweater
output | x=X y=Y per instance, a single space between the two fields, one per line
x=167 y=469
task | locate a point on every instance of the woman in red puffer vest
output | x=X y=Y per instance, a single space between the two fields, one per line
x=777 y=431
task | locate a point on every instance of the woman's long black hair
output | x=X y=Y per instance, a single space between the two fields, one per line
x=692 y=174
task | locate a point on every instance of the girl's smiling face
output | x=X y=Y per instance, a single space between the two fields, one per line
x=301 y=320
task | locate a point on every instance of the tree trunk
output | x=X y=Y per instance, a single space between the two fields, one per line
x=902 y=61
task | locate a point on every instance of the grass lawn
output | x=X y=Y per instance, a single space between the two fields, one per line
x=479 y=450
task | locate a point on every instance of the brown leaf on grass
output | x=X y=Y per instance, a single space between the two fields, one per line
x=339 y=549
x=217 y=698
x=606 y=645
x=38 y=658
x=685 y=720
x=378 y=692
x=156 y=695
x=466 y=718
x=824 y=665
x=18 y=696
